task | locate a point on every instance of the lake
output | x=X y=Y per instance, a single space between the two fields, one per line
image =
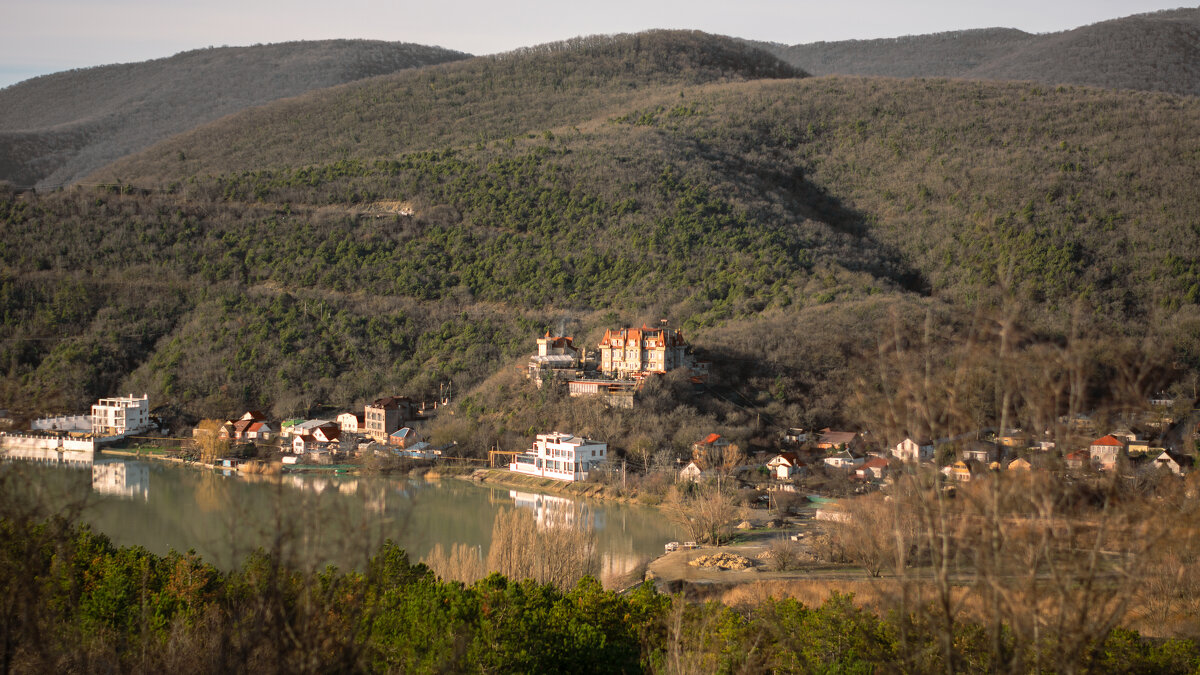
x=314 y=519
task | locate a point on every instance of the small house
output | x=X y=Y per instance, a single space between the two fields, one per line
x=1177 y=464
x=875 y=468
x=843 y=460
x=909 y=450
x=836 y=440
x=1020 y=464
x=1078 y=460
x=351 y=423
x=691 y=473
x=785 y=465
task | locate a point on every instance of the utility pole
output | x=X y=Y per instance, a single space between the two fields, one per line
x=622 y=474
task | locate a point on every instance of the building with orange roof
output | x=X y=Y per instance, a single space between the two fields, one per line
x=1105 y=451
x=628 y=352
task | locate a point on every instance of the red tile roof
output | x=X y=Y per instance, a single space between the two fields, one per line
x=1109 y=440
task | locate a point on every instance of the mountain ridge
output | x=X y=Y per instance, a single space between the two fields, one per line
x=56 y=128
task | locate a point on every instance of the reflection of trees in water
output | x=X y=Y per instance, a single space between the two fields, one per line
x=209 y=492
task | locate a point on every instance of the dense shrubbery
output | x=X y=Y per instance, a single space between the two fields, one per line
x=73 y=601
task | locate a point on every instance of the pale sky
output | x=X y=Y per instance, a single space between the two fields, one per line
x=44 y=36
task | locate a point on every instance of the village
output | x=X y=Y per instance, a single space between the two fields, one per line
x=828 y=463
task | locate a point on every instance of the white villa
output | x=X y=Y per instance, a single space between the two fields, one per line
x=120 y=416
x=561 y=456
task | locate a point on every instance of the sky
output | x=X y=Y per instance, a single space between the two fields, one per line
x=45 y=36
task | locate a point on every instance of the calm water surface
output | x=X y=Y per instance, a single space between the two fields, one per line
x=319 y=519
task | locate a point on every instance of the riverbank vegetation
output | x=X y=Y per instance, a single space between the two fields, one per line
x=73 y=601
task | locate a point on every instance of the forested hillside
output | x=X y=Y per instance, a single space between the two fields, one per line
x=1150 y=52
x=391 y=234
x=56 y=128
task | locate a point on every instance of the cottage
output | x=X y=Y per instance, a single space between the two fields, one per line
x=875 y=468
x=404 y=438
x=562 y=456
x=843 y=460
x=959 y=471
x=785 y=465
x=909 y=450
x=981 y=451
x=1020 y=464
x=691 y=473
x=1176 y=463
x=351 y=423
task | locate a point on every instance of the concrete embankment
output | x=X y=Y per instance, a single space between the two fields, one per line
x=505 y=478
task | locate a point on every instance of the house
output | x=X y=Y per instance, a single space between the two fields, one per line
x=326 y=433
x=385 y=415
x=121 y=416
x=843 y=460
x=875 y=468
x=1105 y=451
x=418 y=450
x=1178 y=464
x=981 y=451
x=288 y=427
x=1020 y=464
x=795 y=435
x=1078 y=459
x=832 y=440
x=404 y=438
x=562 y=456
x=255 y=415
x=909 y=450
x=959 y=471
x=785 y=465
x=712 y=445
x=557 y=358
x=258 y=430
x=628 y=352
x=691 y=473
x=351 y=423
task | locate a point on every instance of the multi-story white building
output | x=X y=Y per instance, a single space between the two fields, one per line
x=630 y=351
x=561 y=456
x=121 y=415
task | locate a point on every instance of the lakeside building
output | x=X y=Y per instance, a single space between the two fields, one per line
x=629 y=351
x=121 y=415
x=562 y=456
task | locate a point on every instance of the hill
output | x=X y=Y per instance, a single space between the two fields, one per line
x=1151 y=52
x=56 y=128
x=785 y=223
x=478 y=100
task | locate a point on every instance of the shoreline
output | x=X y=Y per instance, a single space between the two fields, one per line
x=506 y=478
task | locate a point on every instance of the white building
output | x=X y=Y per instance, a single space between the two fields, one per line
x=561 y=456
x=909 y=450
x=120 y=416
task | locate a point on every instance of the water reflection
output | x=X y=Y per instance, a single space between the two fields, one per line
x=121 y=479
x=318 y=519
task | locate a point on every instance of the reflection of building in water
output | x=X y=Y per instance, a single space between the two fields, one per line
x=615 y=566
x=550 y=511
x=123 y=479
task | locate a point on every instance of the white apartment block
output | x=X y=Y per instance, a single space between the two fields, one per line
x=561 y=456
x=121 y=415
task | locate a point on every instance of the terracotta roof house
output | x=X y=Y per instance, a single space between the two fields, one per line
x=875 y=468
x=1105 y=451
